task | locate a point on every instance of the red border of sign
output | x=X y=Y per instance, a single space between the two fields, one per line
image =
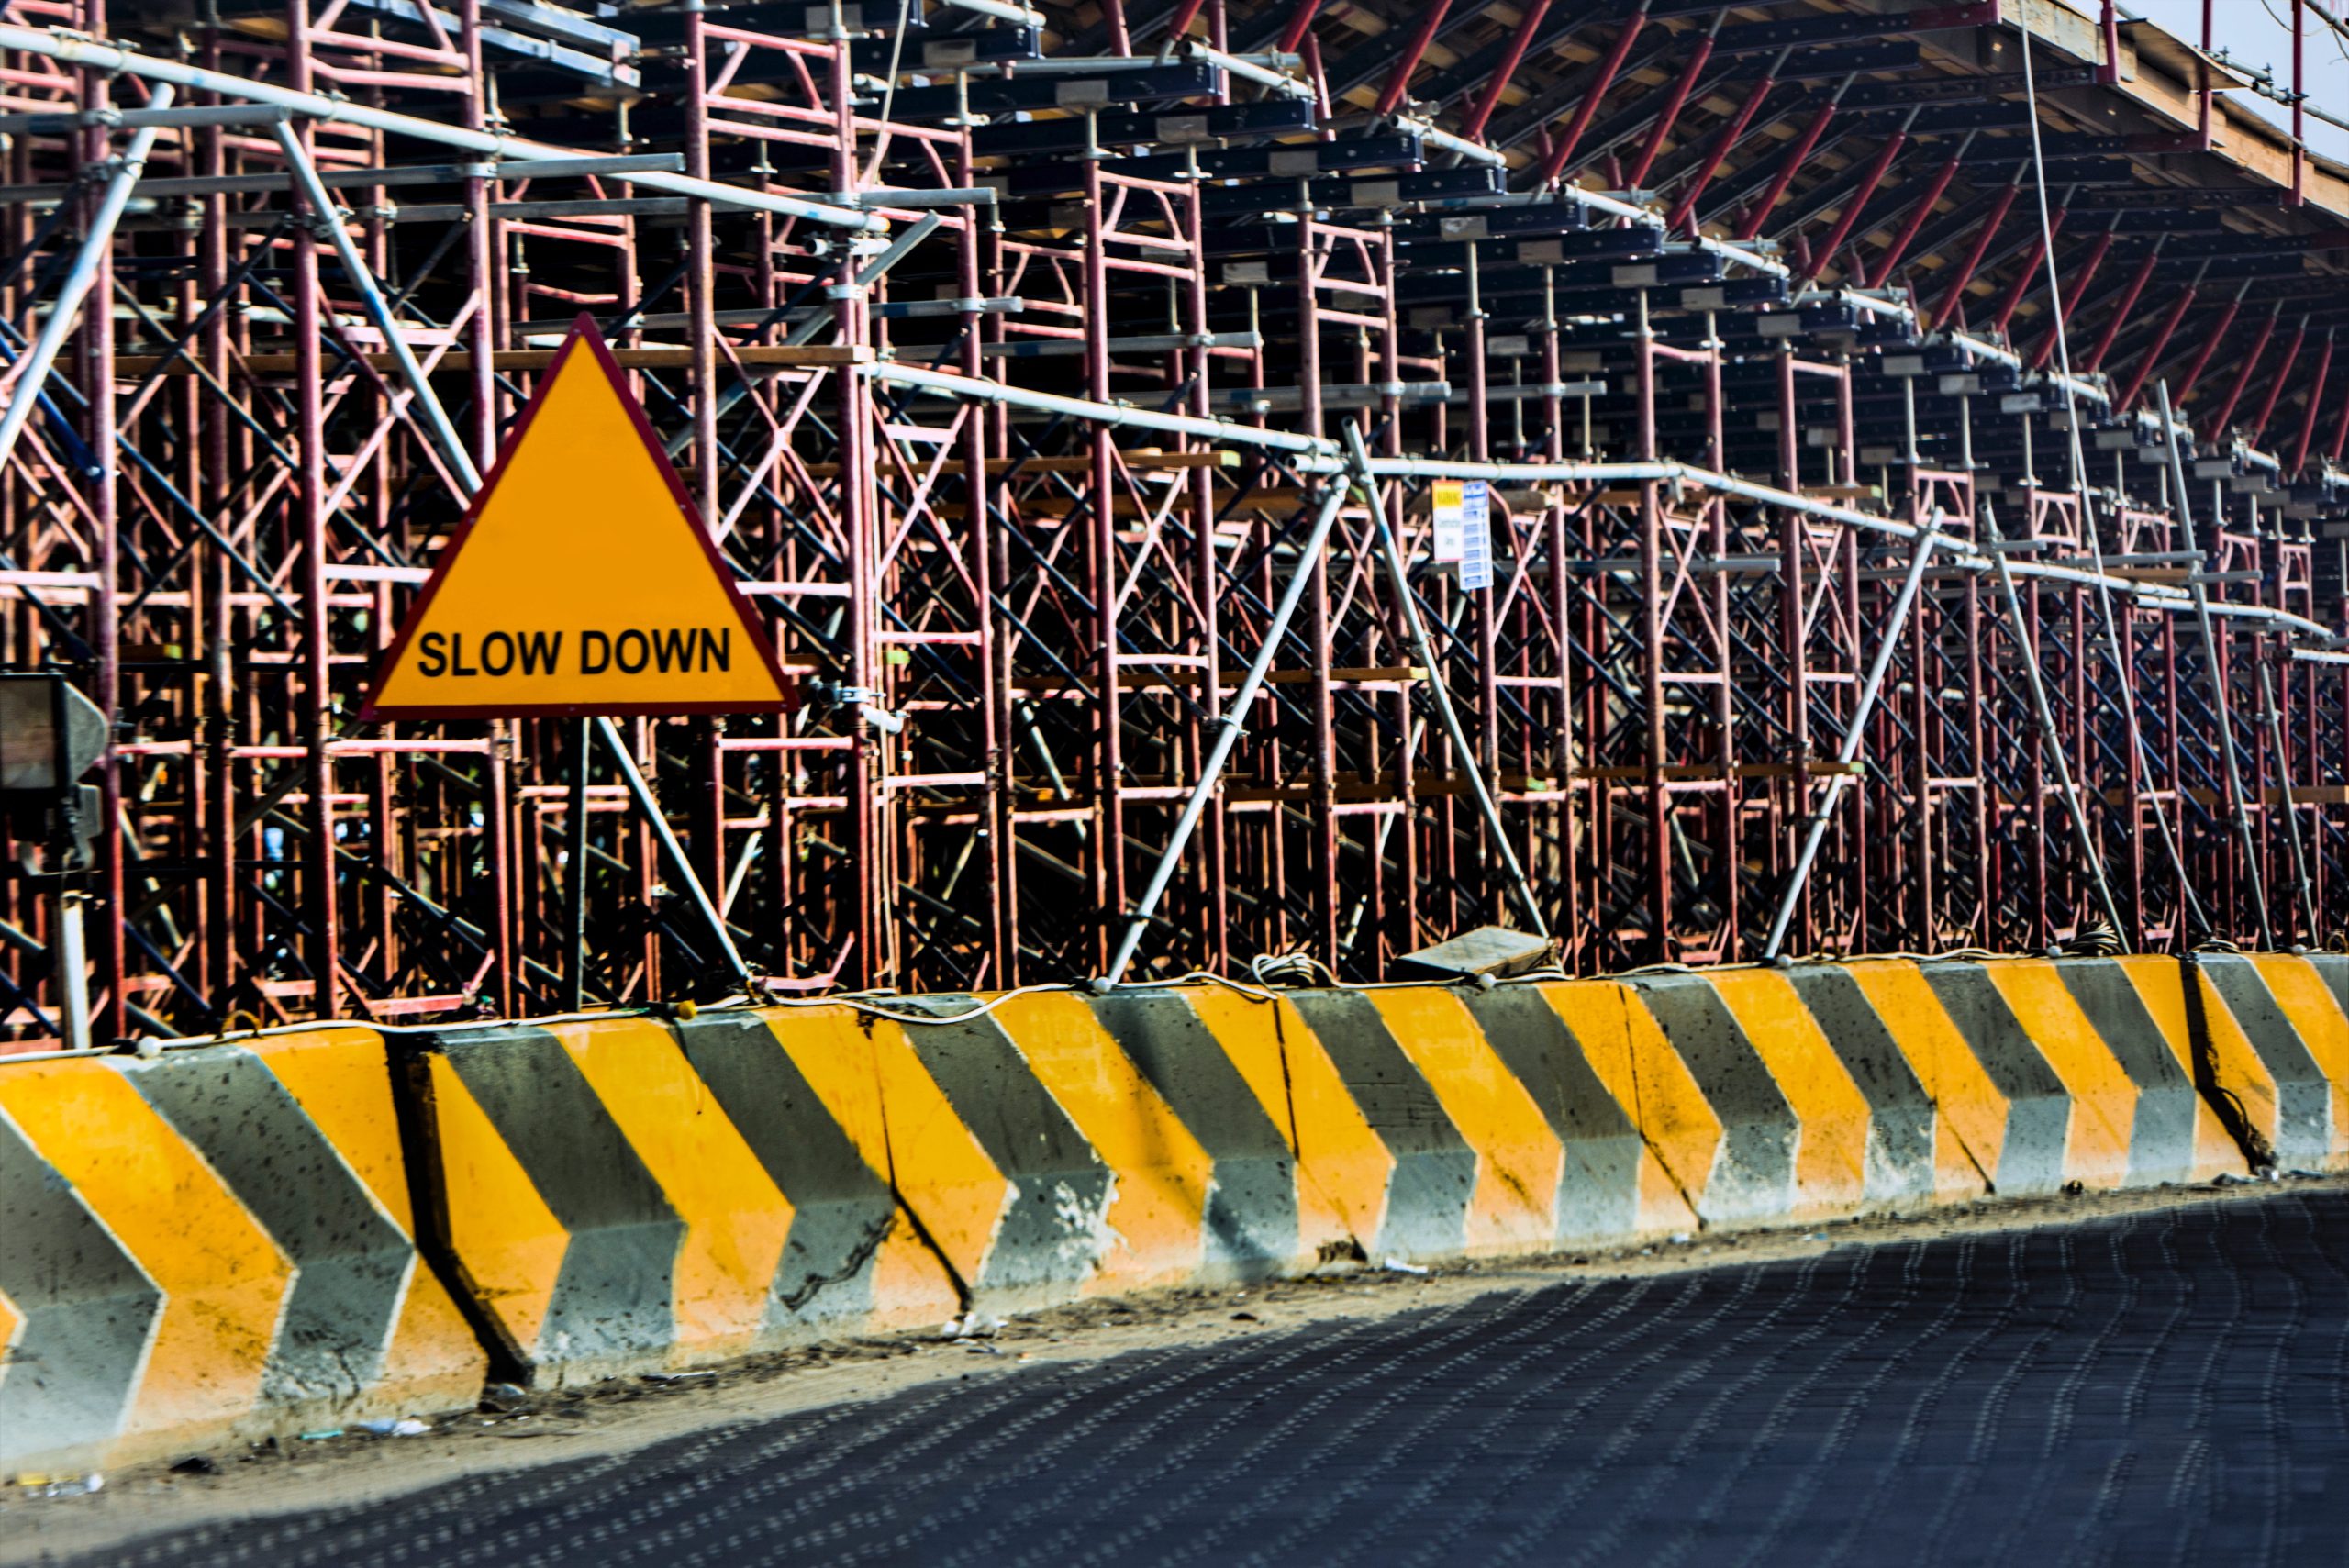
x=583 y=331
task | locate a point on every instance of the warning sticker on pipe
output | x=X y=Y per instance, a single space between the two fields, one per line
x=582 y=581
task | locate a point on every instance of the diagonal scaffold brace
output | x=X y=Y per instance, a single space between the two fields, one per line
x=327 y=218
x=1233 y=723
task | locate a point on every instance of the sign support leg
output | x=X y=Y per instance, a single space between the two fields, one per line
x=73 y=973
x=679 y=866
x=582 y=762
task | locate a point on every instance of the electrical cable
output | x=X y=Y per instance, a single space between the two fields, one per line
x=977 y=1009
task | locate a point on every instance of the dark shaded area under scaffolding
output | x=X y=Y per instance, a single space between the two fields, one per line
x=1852 y=589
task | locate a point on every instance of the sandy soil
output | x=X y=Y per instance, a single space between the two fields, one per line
x=41 y=1524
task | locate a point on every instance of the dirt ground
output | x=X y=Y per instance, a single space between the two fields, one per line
x=40 y=1523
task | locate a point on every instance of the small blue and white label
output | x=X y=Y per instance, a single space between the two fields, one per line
x=1475 y=535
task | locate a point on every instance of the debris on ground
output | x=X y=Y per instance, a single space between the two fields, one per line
x=503 y=1399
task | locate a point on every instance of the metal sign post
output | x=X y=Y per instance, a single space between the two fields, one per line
x=49 y=736
x=632 y=610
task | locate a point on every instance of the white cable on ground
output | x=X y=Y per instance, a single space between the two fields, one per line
x=977 y=1009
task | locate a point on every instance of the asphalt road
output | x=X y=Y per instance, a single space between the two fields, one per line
x=2163 y=1387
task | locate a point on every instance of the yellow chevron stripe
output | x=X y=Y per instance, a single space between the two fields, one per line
x=1160 y=1207
x=2236 y=1066
x=2104 y=1097
x=1831 y=1157
x=1663 y=1208
x=12 y=1322
x=224 y=1281
x=831 y=1052
x=2160 y=984
x=1518 y=1157
x=737 y=1220
x=507 y=1239
x=1341 y=1166
x=434 y=1361
x=942 y=1172
x=1969 y=1113
x=2323 y=1029
x=1628 y=1049
x=1337 y=1148
x=339 y=1080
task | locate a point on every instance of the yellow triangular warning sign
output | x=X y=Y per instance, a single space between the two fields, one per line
x=581 y=580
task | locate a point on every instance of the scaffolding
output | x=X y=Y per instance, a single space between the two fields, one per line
x=1874 y=565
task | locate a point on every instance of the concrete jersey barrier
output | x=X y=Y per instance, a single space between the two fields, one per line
x=2085 y=1073
x=214 y=1244
x=622 y=1196
x=236 y=1238
x=2277 y=1027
